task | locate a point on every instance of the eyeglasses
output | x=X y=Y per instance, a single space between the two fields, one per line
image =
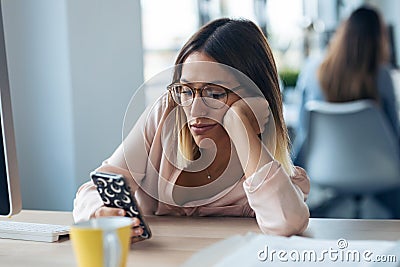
x=213 y=95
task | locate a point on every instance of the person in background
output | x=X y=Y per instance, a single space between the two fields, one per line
x=209 y=109
x=355 y=66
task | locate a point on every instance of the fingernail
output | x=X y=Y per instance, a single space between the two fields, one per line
x=121 y=212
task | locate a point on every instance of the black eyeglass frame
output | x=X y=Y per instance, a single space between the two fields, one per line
x=201 y=89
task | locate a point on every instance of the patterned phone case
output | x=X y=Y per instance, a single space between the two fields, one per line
x=115 y=193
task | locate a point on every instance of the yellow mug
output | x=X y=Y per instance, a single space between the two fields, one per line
x=101 y=242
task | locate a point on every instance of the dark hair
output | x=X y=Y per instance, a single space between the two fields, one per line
x=349 y=71
x=241 y=45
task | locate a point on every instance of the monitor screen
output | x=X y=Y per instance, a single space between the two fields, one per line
x=10 y=196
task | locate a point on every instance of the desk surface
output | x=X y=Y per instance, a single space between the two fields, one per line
x=175 y=239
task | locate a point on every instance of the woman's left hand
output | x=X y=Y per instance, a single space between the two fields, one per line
x=255 y=109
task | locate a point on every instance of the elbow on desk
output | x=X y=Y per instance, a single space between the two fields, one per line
x=288 y=226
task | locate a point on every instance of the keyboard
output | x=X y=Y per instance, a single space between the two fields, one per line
x=33 y=231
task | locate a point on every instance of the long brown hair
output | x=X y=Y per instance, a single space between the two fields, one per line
x=349 y=71
x=241 y=45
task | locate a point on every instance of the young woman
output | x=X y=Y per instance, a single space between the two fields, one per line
x=354 y=67
x=215 y=144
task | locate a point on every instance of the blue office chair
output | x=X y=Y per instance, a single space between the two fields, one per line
x=350 y=149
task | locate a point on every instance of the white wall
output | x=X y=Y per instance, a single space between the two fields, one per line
x=73 y=65
x=106 y=59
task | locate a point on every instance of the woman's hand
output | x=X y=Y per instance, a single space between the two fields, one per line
x=244 y=121
x=107 y=211
x=254 y=109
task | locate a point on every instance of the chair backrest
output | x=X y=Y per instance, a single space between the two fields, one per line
x=350 y=147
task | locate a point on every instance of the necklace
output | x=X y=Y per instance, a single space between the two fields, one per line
x=208 y=174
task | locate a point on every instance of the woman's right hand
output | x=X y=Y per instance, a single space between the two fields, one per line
x=104 y=211
x=253 y=109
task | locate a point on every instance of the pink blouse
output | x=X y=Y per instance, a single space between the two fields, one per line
x=276 y=200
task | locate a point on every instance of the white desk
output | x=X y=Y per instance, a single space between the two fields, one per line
x=177 y=238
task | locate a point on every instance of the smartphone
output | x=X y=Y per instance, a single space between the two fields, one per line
x=115 y=193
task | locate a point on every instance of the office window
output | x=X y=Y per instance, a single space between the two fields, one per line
x=166 y=25
x=286 y=31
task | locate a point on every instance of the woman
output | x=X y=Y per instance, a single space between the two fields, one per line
x=213 y=145
x=354 y=67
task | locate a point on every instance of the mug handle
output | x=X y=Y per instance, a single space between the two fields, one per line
x=112 y=249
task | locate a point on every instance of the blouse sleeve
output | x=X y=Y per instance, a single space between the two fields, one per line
x=279 y=200
x=134 y=148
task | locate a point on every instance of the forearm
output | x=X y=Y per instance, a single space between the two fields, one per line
x=86 y=202
x=251 y=151
x=277 y=200
x=87 y=199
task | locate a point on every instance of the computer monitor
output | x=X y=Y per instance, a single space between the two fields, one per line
x=10 y=193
